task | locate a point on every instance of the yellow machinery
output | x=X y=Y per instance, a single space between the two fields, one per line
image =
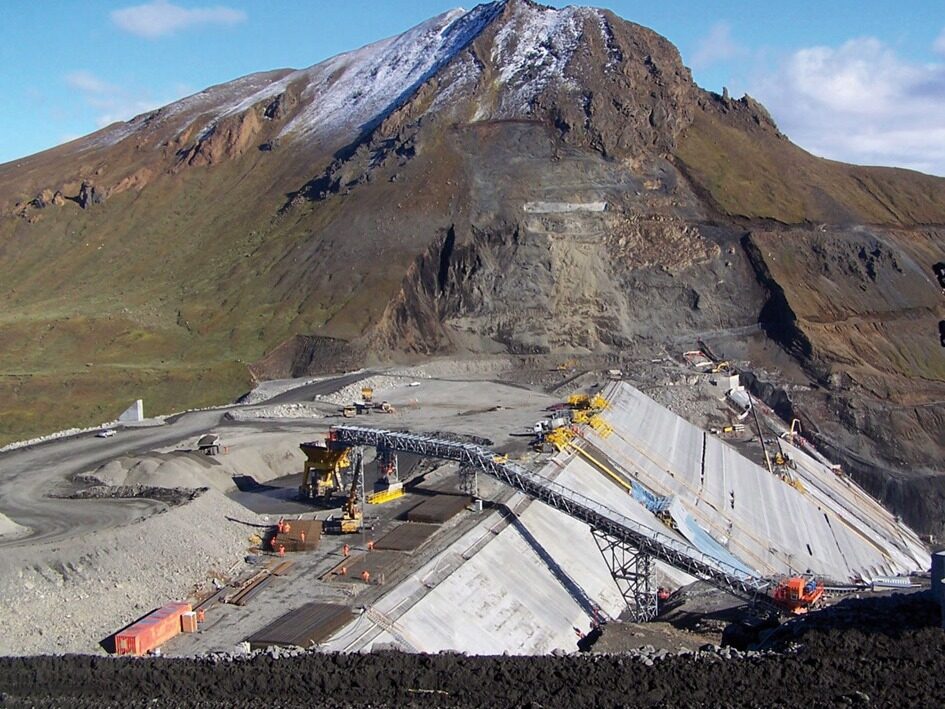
x=322 y=474
x=579 y=401
x=583 y=402
x=603 y=428
x=367 y=394
x=352 y=518
x=382 y=496
x=581 y=416
x=559 y=437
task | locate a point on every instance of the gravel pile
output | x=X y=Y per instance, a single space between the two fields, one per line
x=9 y=528
x=301 y=410
x=447 y=368
x=81 y=593
x=352 y=392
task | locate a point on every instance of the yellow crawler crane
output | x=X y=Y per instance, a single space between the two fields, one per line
x=603 y=428
x=581 y=416
x=559 y=437
x=599 y=403
x=321 y=476
x=579 y=401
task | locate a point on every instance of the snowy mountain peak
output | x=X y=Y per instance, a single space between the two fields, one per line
x=352 y=91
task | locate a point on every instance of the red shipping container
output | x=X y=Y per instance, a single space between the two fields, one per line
x=188 y=622
x=151 y=631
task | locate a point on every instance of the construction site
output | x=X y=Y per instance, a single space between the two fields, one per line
x=448 y=508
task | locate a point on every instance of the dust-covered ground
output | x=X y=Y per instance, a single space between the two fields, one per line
x=827 y=659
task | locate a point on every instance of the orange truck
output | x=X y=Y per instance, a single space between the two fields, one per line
x=798 y=594
x=152 y=631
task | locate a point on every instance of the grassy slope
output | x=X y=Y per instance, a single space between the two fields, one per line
x=756 y=174
x=166 y=293
x=148 y=295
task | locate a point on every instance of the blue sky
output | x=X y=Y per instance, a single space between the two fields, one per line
x=858 y=81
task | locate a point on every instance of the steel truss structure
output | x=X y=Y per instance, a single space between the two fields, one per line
x=633 y=573
x=632 y=545
x=469 y=480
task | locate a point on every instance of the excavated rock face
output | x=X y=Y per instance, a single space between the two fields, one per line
x=514 y=178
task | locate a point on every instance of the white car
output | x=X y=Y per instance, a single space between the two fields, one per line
x=106 y=433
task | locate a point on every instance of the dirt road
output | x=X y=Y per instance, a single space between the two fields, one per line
x=29 y=476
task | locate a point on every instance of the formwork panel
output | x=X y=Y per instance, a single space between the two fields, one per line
x=378 y=564
x=310 y=529
x=303 y=627
x=406 y=537
x=438 y=509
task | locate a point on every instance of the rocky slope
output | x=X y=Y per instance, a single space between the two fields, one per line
x=509 y=179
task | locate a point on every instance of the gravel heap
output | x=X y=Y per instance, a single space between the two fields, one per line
x=446 y=368
x=9 y=528
x=59 y=599
x=352 y=392
x=301 y=410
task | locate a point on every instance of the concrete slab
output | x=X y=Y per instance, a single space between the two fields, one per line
x=771 y=526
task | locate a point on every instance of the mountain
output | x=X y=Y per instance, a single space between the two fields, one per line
x=510 y=179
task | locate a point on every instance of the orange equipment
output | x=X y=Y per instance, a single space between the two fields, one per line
x=798 y=594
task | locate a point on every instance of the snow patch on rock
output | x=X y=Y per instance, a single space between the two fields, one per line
x=533 y=49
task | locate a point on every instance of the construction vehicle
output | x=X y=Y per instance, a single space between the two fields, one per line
x=584 y=402
x=798 y=594
x=321 y=476
x=729 y=430
x=349 y=412
x=579 y=401
x=351 y=520
x=367 y=394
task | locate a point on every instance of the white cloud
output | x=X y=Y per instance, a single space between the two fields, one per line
x=862 y=103
x=717 y=46
x=87 y=82
x=160 y=17
x=939 y=44
x=111 y=102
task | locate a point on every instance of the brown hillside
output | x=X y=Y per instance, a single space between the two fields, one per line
x=512 y=179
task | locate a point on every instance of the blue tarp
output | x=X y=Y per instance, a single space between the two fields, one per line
x=703 y=541
x=653 y=502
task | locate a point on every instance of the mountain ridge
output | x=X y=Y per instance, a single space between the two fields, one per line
x=393 y=202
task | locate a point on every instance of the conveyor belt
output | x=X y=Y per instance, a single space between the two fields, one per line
x=600 y=518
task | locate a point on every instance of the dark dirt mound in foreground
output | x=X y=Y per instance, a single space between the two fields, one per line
x=902 y=664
